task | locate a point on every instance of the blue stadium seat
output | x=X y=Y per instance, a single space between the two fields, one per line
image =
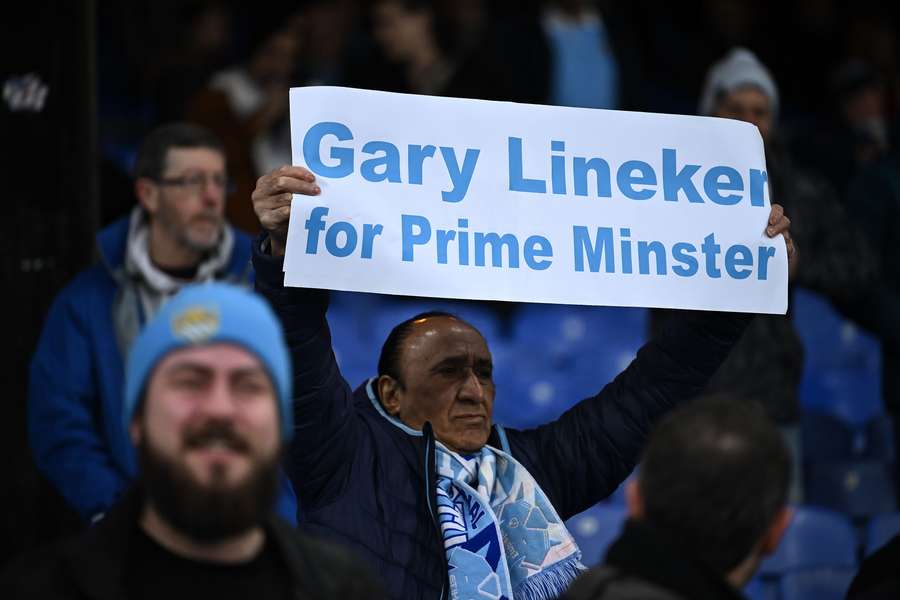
x=356 y=310
x=857 y=488
x=850 y=394
x=532 y=396
x=827 y=438
x=817 y=584
x=595 y=529
x=881 y=530
x=567 y=331
x=759 y=589
x=829 y=339
x=598 y=364
x=815 y=538
x=356 y=356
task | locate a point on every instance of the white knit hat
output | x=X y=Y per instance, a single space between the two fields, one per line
x=739 y=68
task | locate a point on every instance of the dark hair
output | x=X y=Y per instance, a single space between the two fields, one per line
x=714 y=476
x=445 y=34
x=392 y=349
x=151 y=157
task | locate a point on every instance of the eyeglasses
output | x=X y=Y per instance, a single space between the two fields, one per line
x=196 y=182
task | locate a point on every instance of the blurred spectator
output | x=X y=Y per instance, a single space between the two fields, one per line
x=855 y=133
x=247 y=107
x=708 y=504
x=324 y=28
x=418 y=50
x=874 y=197
x=203 y=36
x=207 y=405
x=175 y=235
x=766 y=365
x=585 y=70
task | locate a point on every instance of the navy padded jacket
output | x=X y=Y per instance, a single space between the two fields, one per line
x=364 y=481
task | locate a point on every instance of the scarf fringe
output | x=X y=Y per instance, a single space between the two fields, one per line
x=551 y=582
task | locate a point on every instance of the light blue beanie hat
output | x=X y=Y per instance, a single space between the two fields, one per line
x=209 y=313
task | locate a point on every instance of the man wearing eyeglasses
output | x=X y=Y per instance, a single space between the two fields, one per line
x=175 y=235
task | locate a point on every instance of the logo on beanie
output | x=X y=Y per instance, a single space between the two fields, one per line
x=196 y=324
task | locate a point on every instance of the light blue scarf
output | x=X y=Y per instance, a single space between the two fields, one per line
x=502 y=536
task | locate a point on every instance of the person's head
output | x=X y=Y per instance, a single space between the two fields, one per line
x=274 y=58
x=180 y=182
x=715 y=477
x=861 y=101
x=207 y=405
x=740 y=87
x=405 y=28
x=436 y=367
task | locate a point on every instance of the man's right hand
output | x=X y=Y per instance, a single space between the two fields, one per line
x=272 y=200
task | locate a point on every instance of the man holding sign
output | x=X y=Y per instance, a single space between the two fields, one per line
x=410 y=470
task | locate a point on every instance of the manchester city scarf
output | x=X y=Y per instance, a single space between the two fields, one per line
x=502 y=536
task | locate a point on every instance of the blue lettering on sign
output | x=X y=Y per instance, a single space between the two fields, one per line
x=385 y=161
x=595 y=252
x=635 y=179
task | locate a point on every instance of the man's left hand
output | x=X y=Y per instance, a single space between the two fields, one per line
x=779 y=224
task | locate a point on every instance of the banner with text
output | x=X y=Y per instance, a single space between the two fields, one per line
x=454 y=198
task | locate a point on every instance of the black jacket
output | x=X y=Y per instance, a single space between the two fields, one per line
x=92 y=566
x=363 y=480
x=644 y=564
x=879 y=575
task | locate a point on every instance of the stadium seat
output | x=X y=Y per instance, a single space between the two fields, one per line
x=532 y=396
x=829 y=339
x=881 y=530
x=596 y=365
x=850 y=394
x=857 y=488
x=759 y=589
x=595 y=529
x=567 y=331
x=356 y=356
x=817 y=584
x=815 y=538
x=827 y=438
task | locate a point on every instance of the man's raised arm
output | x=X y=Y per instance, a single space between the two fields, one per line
x=324 y=431
x=583 y=456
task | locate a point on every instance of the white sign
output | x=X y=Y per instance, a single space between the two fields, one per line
x=455 y=198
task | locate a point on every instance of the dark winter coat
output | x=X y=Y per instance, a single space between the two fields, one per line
x=644 y=564
x=364 y=480
x=93 y=565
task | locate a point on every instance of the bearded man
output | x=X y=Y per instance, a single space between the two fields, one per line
x=207 y=406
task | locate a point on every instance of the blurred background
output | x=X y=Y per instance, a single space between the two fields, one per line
x=85 y=81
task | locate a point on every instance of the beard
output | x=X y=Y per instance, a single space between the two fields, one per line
x=200 y=243
x=182 y=231
x=212 y=512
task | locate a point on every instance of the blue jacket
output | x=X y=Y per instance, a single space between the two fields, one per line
x=364 y=480
x=76 y=381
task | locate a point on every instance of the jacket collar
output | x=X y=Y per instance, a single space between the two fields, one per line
x=112 y=243
x=649 y=555
x=95 y=561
